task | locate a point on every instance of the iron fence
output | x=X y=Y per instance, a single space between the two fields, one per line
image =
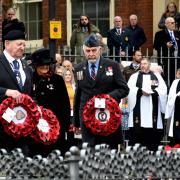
x=87 y=163
x=164 y=61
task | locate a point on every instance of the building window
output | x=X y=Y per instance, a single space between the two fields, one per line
x=97 y=10
x=30 y=12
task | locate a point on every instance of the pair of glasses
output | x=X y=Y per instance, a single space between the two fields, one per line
x=84 y=19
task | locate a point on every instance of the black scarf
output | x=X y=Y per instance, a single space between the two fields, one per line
x=153 y=78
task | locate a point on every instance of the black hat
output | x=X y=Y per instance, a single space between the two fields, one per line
x=14 y=35
x=12 y=25
x=42 y=56
x=92 y=41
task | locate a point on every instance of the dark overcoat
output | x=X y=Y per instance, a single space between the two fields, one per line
x=160 y=44
x=113 y=85
x=51 y=93
x=117 y=42
x=9 y=81
x=137 y=38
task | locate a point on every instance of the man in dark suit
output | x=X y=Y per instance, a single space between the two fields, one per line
x=15 y=78
x=167 y=44
x=106 y=78
x=117 y=39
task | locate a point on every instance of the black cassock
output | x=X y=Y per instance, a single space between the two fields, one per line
x=149 y=137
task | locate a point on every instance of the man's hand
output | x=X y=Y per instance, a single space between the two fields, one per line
x=169 y=44
x=122 y=53
x=14 y=94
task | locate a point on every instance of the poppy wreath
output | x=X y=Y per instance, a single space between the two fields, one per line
x=25 y=117
x=98 y=127
x=48 y=128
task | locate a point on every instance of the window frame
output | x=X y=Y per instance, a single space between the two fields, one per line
x=69 y=18
x=30 y=44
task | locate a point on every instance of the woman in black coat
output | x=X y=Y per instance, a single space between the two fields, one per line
x=51 y=93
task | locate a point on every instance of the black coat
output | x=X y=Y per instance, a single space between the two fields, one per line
x=9 y=81
x=117 y=42
x=51 y=93
x=114 y=85
x=160 y=42
x=137 y=38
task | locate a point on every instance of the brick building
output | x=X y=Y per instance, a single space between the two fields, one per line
x=35 y=14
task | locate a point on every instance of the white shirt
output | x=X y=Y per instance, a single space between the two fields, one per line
x=10 y=60
x=118 y=30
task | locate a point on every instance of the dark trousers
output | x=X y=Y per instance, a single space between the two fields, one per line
x=149 y=137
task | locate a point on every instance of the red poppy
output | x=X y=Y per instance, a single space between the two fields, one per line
x=25 y=116
x=48 y=128
x=169 y=148
x=102 y=122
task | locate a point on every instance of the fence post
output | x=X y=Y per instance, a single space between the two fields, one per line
x=73 y=162
x=168 y=74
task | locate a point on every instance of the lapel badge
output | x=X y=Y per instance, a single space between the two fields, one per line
x=109 y=71
x=50 y=86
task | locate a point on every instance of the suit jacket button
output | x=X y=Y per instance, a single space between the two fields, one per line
x=42 y=93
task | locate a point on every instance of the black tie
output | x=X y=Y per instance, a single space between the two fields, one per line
x=93 y=73
x=118 y=31
x=17 y=73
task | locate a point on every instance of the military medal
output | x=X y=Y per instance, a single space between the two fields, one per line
x=109 y=71
x=50 y=86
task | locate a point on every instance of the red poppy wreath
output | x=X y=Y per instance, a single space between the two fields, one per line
x=48 y=127
x=19 y=119
x=105 y=121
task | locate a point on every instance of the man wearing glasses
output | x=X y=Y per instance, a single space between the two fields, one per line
x=167 y=44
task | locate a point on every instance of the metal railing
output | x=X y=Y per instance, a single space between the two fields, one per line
x=164 y=61
x=87 y=163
